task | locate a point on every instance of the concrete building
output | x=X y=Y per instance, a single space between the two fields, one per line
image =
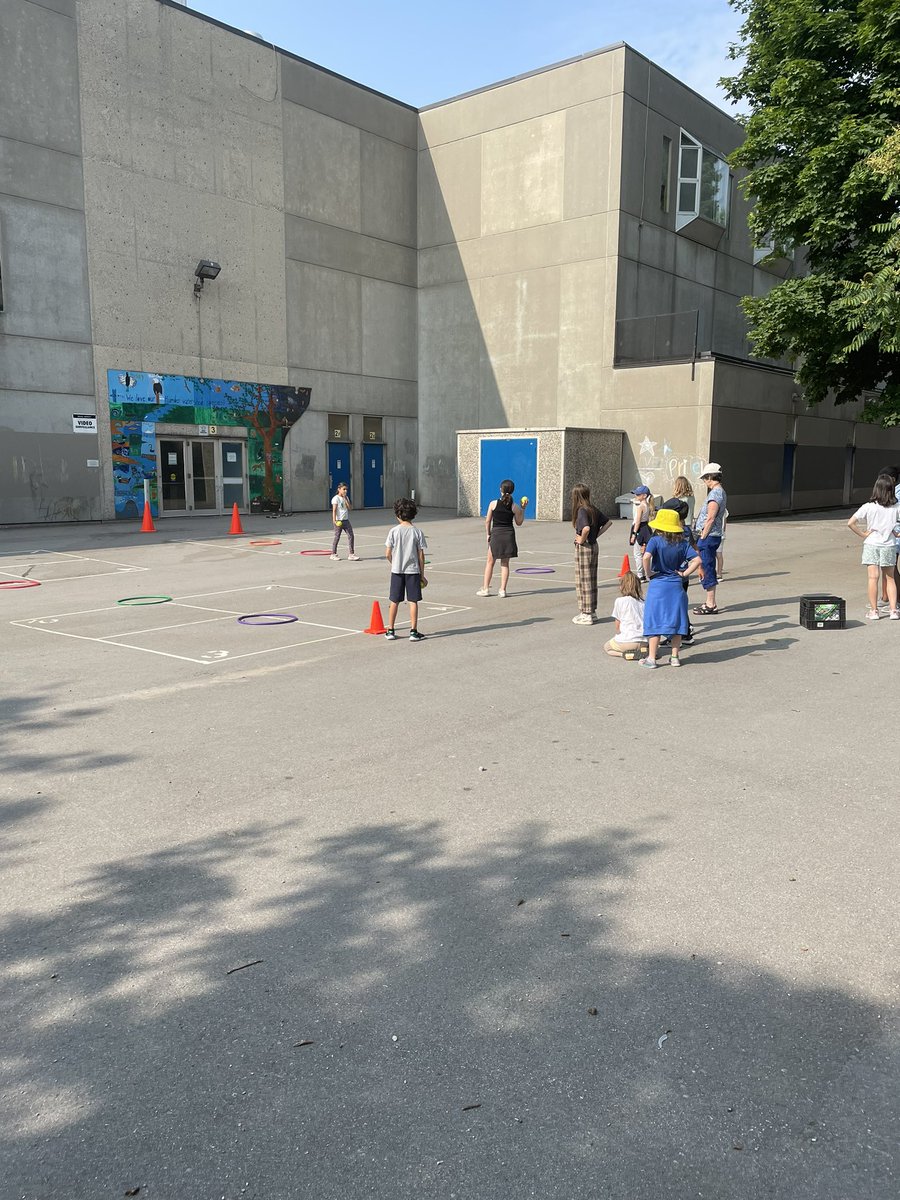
x=564 y=249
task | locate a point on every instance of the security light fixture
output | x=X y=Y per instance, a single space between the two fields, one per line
x=206 y=269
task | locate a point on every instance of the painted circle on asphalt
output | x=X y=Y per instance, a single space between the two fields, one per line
x=136 y=601
x=328 y=552
x=535 y=570
x=20 y=583
x=264 y=619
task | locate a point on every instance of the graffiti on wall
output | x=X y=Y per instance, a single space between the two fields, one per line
x=139 y=401
x=659 y=465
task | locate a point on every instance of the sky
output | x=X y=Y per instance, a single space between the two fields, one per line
x=422 y=51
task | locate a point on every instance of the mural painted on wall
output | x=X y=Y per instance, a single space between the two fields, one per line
x=139 y=401
x=659 y=465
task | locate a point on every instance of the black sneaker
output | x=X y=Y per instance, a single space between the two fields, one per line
x=415 y=636
x=390 y=635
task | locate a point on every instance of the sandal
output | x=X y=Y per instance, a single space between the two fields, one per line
x=703 y=610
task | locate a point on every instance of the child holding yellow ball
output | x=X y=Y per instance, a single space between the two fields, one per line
x=502 y=517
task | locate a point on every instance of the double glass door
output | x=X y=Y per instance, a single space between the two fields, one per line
x=201 y=475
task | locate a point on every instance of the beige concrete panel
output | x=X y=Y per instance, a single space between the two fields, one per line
x=699 y=117
x=321 y=168
x=449 y=193
x=388 y=187
x=388 y=329
x=248 y=74
x=323 y=318
x=328 y=246
x=45 y=365
x=519 y=317
x=356 y=394
x=522 y=180
x=444 y=264
x=583 y=316
x=36 y=173
x=306 y=85
x=589 y=166
x=44 y=243
x=115 y=304
x=547 y=91
x=538 y=246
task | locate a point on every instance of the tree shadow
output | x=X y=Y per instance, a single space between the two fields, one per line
x=421 y=1020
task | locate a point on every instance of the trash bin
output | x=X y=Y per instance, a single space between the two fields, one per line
x=626 y=506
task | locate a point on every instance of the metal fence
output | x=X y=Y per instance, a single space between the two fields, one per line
x=665 y=337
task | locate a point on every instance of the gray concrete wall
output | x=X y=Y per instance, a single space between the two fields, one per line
x=45 y=328
x=518 y=232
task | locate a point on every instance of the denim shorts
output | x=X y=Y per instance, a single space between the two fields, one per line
x=879 y=556
x=407 y=587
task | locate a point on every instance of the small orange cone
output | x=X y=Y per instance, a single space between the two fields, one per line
x=376 y=621
x=147 y=525
x=236 y=526
x=626 y=566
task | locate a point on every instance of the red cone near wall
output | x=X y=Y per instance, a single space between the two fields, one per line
x=147 y=525
x=376 y=621
x=236 y=526
x=626 y=566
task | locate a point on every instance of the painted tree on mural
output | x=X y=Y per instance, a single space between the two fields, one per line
x=272 y=411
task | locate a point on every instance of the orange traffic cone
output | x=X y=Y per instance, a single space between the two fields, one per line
x=376 y=621
x=147 y=525
x=236 y=526
x=626 y=566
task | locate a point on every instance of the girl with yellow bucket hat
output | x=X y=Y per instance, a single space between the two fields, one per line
x=668 y=559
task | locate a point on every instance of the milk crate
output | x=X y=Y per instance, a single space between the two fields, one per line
x=823 y=612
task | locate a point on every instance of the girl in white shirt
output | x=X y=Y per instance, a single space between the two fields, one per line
x=879 y=555
x=628 y=612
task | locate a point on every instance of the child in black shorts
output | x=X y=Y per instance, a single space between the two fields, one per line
x=405 y=546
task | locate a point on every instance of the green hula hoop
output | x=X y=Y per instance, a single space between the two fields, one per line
x=135 y=601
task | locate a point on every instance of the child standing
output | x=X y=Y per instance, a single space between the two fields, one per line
x=405 y=546
x=879 y=554
x=589 y=524
x=640 y=526
x=502 y=517
x=628 y=612
x=340 y=519
x=669 y=558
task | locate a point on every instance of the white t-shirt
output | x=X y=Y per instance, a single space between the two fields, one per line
x=343 y=509
x=880 y=522
x=630 y=615
x=405 y=541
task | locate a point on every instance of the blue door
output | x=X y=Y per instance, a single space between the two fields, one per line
x=509 y=458
x=787 y=476
x=373 y=475
x=339 y=467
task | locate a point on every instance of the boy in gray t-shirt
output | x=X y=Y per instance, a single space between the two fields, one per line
x=405 y=546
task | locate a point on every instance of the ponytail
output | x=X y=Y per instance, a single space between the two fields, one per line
x=507 y=487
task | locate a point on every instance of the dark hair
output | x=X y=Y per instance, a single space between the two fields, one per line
x=893 y=472
x=404 y=509
x=714 y=475
x=883 y=492
x=669 y=536
x=677 y=505
x=507 y=487
x=581 y=498
x=343 y=483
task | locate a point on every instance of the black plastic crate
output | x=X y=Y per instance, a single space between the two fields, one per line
x=823 y=612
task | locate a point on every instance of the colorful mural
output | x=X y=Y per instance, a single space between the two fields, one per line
x=139 y=401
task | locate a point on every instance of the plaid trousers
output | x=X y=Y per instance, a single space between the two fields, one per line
x=586 y=559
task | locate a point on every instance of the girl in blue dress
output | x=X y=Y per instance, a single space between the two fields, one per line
x=669 y=558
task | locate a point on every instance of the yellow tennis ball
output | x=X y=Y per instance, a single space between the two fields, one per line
x=524 y=500
x=339 y=524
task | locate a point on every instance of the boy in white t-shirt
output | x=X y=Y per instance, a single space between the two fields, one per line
x=628 y=612
x=340 y=519
x=879 y=555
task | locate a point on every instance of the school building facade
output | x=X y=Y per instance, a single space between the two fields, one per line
x=228 y=274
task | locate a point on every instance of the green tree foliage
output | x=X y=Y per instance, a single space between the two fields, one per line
x=822 y=154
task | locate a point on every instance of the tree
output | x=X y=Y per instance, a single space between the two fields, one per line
x=822 y=155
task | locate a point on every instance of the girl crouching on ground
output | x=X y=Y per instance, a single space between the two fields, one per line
x=628 y=612
x=668 y=560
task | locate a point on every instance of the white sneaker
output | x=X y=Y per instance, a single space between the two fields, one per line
x=873 y=615
x=583 y=619
x=502 y=592
x=354 y=557
x=335 y=557
x=895 y=614
x=483 y=592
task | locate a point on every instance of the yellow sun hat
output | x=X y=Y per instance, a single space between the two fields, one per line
x=667 y=521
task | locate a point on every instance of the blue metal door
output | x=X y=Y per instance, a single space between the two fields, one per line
x=787 y=476
x=373 y=475
x=509 y=458
x=339 y=467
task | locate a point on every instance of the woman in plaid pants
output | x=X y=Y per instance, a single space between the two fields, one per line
x=589 y=524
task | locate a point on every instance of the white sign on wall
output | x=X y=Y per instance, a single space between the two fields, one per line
x=84 y=423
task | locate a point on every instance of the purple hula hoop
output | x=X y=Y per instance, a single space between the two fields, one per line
x=535 y=570
x=253 y=619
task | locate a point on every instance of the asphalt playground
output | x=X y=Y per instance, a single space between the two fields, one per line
x=289 y=911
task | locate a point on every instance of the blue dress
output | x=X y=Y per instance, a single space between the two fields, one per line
x=666 y=606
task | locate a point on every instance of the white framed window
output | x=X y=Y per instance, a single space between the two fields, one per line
x=703 y=184
x=767 y=250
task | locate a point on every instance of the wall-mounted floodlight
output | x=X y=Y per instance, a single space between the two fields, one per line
x=206 y=269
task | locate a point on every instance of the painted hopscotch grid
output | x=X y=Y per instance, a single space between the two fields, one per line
x=41 y=560
x=265 y=597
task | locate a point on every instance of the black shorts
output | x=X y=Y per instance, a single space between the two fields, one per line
x=405 y=587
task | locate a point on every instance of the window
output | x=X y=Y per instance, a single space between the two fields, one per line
x=338 y=427
x=702 y=184
x=767 y=249
x=372 y=429
x=666 y=174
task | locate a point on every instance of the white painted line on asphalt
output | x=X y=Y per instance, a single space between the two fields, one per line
x=106 y=642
